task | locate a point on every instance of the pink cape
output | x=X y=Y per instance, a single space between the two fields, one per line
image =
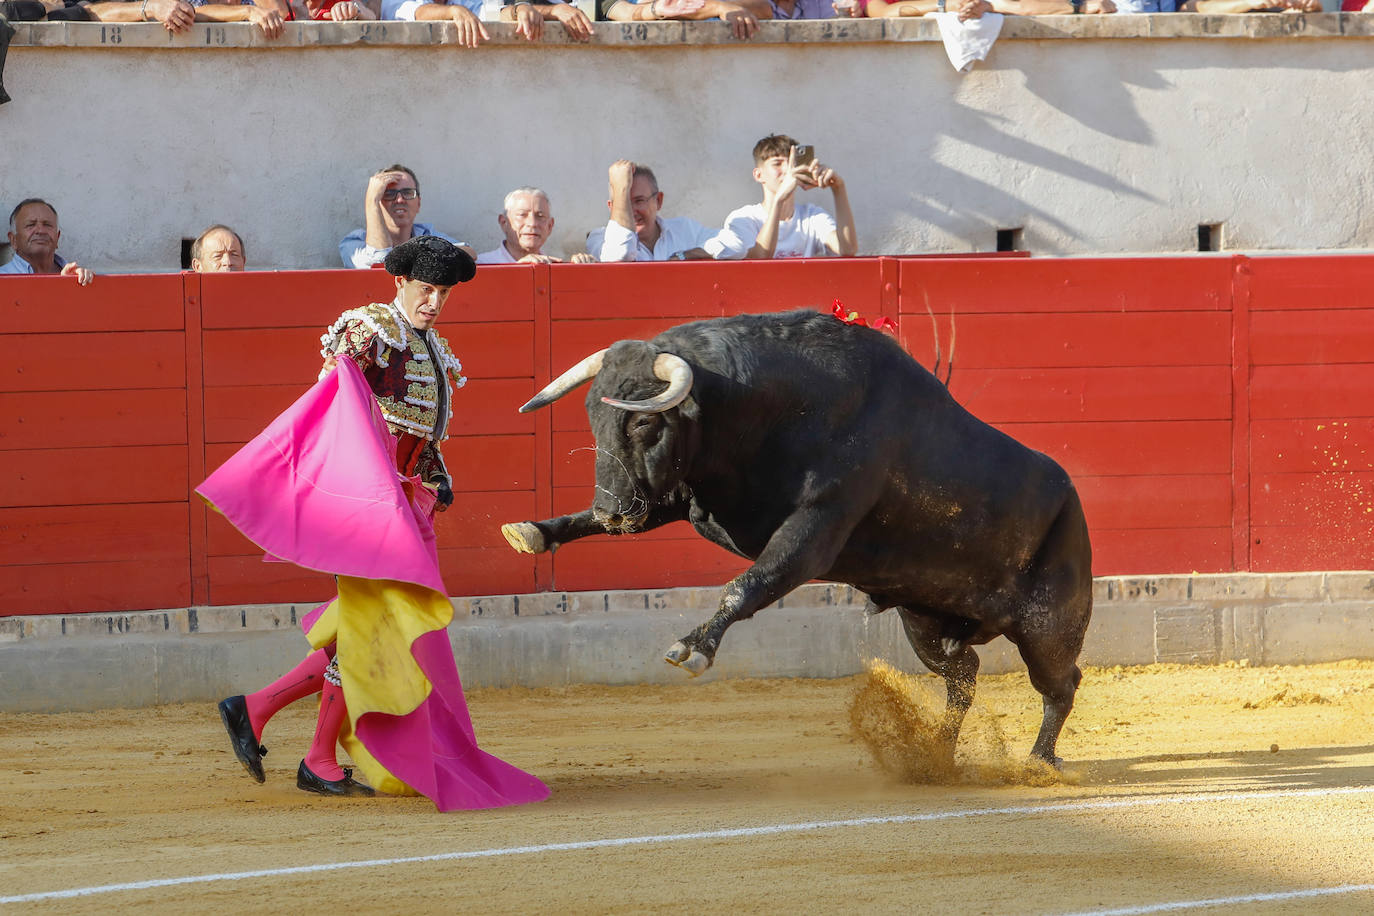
x=319 y=488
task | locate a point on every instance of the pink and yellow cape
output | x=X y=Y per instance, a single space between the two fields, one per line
x=319 y=488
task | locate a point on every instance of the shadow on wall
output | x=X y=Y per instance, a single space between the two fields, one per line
x=988 y=131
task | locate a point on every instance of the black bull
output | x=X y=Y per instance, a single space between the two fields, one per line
x=822 y=450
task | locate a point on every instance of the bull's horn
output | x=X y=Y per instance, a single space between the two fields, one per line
x=673 y=370
x=582 y=372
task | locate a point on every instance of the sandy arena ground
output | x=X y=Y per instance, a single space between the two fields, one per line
x=1182 y=784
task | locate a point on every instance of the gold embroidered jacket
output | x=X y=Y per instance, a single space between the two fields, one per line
x=412 y=374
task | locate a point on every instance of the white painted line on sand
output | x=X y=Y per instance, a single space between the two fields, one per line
x=1111 y=804
x=1228 y=901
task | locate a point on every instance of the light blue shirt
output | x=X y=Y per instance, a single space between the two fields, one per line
x=18 y=265
x=405 y=9
x=356 y=252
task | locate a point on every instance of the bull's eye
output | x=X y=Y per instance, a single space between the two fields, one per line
x=643 y=424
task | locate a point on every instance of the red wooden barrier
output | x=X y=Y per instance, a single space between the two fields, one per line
x=1214 y=411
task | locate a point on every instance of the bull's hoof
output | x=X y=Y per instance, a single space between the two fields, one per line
x=524 y=537
x=689 y=660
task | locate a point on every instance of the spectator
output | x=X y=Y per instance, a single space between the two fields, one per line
x=743 y=17
x=34 y=235
x=339 y=10
x=974 y=9
x=219 y=249
x=780 y=227
x=1213 y=7
x=529 y=18
x=175 y=15
x=40 y=10
x=527 y=221
x=268 y=15
x=805 y=9
x=463 y=14
x=390 y=205
x=636 y=232
x=178 y=15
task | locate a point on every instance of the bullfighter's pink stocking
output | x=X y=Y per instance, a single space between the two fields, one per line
x=321 y=758
x=301 y=681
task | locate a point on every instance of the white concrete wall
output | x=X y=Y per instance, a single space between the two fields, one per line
x=1095 y=134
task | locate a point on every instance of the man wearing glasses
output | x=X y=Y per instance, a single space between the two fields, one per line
x=391 y=203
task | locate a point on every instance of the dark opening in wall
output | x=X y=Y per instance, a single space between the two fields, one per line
x=1010 y=239
x=1209 y=237
x=186 y=253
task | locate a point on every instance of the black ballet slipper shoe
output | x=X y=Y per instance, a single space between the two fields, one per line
x=234 y=713
x=308 y=781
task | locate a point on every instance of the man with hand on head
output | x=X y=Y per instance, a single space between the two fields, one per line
x=390 y=205
x=636 y=232
x=527 y=221
x=34 y=235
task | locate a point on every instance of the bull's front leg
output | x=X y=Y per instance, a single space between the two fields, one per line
x=550 y=534
x=804 y=547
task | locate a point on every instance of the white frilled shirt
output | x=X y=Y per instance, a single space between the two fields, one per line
x=676 y=233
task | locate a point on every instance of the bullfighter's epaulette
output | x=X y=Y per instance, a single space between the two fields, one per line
x=381 y=318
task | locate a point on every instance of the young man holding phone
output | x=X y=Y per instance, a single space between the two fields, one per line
x=779 y=227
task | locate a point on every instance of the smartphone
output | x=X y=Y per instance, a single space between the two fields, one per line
x=806 y=154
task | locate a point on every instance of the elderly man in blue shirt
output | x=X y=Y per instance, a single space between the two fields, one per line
x=34 y=235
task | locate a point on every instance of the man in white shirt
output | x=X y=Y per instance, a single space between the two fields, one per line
x=527 y=221
x=34 y=235
x=636 y=232
x=390 y=205
x=781 y=228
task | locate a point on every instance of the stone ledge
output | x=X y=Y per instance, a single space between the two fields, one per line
x=1192 y=596
x=226 y=36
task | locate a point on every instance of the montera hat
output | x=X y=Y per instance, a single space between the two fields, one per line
x=431 y=259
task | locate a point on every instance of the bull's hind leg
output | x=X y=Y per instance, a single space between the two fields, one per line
x=928 y=635
x=1050 y=628
x=1050 y=648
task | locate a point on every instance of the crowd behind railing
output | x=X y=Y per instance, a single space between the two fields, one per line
x=529 y=16
x=779 y=226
